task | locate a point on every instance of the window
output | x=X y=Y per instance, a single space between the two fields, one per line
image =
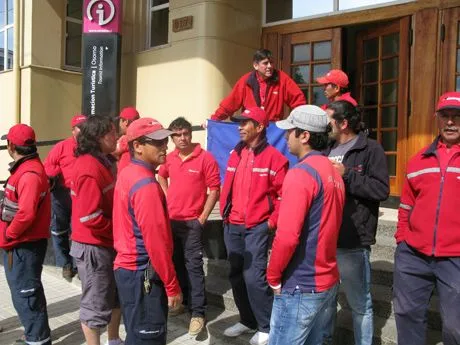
x=158 y=23
x=73 y=33
x=6 y=34
x=278 y=10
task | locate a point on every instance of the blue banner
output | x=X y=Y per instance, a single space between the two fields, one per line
x=222 y=137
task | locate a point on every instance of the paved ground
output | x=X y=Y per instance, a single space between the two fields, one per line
x=63 y=303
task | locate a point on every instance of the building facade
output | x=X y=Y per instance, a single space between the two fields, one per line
x=181 y=57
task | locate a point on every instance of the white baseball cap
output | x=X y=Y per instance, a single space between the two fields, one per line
x=308 y=117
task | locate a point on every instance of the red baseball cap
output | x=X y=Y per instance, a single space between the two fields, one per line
x=129 y=113
x=77 y=120
x=147 y=127
x=449 y=100
x=334 y=76
x=255 y=113
x=21 y=135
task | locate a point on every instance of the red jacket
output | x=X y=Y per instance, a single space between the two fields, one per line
x=92 y=187
x=428 y=217
x=345 y=97
x=281 y=89
x=304 y=252
x=60 y=160
x=141 y=226
x=269 y=170
x=27 y=190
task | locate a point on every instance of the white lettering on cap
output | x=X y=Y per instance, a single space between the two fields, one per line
x=247 y=111
x=452 y=99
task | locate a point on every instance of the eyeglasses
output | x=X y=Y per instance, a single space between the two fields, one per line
x=156 y=143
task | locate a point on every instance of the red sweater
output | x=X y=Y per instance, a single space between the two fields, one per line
x=189 y=181
x=141 y=226
x=281 y=90
x=92 y=200
x=428 y=214
x=268 y=171
x=60 y=160
x=304 y=251
x=28 y=190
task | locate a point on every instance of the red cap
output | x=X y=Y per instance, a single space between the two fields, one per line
x=147 y=127
x=334 y=76
x=77 y=120
x=21 y=135
x=255 y=113
x=129 y=113
x=449 y=100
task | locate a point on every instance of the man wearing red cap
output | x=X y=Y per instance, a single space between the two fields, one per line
x=144 y=270
x=127 y=116
x=265 y=87
x=24 y=229
x=335 y=84
x=59 y=166
x=92 y=184
x=428 y=236
x=249 y=205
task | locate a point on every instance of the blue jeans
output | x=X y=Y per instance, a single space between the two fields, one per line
x=297 y=318
x=355 y=277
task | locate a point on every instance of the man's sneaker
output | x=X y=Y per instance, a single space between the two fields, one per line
x=20 y=342
x=115 y=342
x=68 y=272
x=196 y=325
x=237 y=329
x=180 y=309
x=260 y=338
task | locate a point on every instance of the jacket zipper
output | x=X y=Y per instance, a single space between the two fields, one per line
x=438 y=206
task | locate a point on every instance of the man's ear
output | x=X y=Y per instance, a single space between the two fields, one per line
x=305 y=137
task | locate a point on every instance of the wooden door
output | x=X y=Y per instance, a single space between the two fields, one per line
x=450 y=50
x=308 y=55
x=382 y=90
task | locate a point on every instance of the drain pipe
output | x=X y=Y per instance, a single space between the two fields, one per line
x=16 y=59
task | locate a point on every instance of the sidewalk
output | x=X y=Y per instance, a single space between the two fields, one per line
x=63 y=304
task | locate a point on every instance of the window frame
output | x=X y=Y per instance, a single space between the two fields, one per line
x=336 y=6
x=75 y=21
x=150 y=10
x=5 y=29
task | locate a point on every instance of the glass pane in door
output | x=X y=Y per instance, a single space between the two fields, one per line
x=301 y=74
x=322 y=50
x=301 y=52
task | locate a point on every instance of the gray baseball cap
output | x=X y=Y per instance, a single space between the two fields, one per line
x=308 y=117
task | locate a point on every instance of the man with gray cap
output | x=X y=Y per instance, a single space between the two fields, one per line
x=303 y=270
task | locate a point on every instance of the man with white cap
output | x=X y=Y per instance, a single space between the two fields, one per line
x=303 y=270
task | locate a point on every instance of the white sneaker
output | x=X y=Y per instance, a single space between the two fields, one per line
x=115 y=342
x=237 y=329
x=260 y=338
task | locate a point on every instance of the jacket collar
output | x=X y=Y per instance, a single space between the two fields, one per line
x=252 y=79
x=309 y=154
x=360 y=144
x=431 y=150
x=141 y=163
x=257 y=150
x=15 y=165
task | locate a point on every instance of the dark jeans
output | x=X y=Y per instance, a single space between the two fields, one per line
x=144 y=315
x=415 y=276
x=247 y=253
x=61 y=209
x=24 y=281
x=188 y=262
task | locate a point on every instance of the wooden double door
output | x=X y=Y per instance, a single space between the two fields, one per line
x=378 y=73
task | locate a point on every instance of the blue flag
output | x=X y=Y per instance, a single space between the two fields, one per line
x=222 y=137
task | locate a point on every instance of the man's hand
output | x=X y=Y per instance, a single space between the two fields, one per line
x=277 y=291
x=174 y=301
x=271 y=227
x=204 y=125
x=339 y=166
x=202 y=220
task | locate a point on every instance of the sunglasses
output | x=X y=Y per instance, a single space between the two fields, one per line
x=156 y=143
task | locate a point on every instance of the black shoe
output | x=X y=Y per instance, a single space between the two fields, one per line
x=68 y=272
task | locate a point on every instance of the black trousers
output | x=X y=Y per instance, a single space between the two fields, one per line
x=247 y=253
x=188 y=262
x=145 y=315
x=24 y=280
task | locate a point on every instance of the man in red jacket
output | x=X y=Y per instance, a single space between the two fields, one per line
x=24 y=229
x=92 y=187
x=191 y=172
x=127 y=116
x=144 y=270
x=303 y=270
x=335 y=84
x=428 y=235
x=265 y=87
x=249 y=205
x=59 y=167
